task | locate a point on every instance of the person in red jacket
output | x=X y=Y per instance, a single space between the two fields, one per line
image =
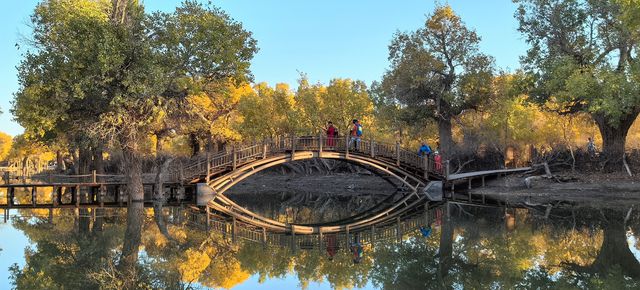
x=332 y=134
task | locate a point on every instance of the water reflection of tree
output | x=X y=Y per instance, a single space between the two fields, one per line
x=566 y=252
x=574 y=249
x=65 y=253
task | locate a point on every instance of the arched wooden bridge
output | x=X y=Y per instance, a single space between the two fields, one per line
x=223 y=171
x=418 y=178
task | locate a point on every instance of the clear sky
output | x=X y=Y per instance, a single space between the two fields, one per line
x=324 y=38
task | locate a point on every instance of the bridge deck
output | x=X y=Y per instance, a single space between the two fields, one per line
x=459 y=176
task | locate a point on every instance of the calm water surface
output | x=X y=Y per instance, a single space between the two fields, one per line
x=470 y=247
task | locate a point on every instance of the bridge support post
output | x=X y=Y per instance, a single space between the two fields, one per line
x=320 y=239
x=264 y=149
x=293 y=238
x=233 y=230
x=446 y=169
x=346 y=233
x=398 y=153
x=426 y=167
x=373 y=235
x=293 y=147
x=426 y=214
x=101 y=195
x=346 y=146
x=398 y=230
x=264 y=237
x=54 y=190
x=9 y=196
x=118 y=195
x=320 y=144
x=207 y=212
x=77 y=194
x=207 y=177
x=235 y=158
x=94 y=177
x=373 y=148
x=34 y=196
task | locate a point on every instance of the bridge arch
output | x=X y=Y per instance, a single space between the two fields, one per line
x=409 y=199
x=224 y=182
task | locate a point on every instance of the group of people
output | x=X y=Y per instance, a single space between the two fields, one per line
x=355 y=139
x=355 y=247
x=355 y=133
x=426 y=151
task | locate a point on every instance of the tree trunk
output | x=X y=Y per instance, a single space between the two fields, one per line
x=159 y=199
x=84 y=161
x=614 y=137
x=98 y=160
x=159 y=147
x=446 y=244
x=446 y=137
x=615 y=249
x=135 y=212
x=98 y=223
x=75 y=158
x=60 y=167
x=195 y=144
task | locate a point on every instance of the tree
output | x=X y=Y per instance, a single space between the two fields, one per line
x=119 y=67
x=340 y=102
x=5 y=145
x=268 y=112
x=583 y=58
x=437 y=72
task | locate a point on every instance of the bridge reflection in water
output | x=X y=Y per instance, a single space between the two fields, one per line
x=382 y=230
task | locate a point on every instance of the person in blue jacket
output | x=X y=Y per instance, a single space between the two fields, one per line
x=424 y=150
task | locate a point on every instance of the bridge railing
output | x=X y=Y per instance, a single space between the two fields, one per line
x=244 y=153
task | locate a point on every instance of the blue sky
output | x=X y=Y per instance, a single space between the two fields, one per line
x=324 y=38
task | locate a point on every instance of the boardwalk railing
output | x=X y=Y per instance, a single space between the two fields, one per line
x=203 y=167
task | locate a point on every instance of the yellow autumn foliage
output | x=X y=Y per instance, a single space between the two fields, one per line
x=224 y=274
x=193 y=264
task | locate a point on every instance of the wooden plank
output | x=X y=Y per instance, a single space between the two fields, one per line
x=486 y=173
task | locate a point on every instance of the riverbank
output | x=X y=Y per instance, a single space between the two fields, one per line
x=595 y=190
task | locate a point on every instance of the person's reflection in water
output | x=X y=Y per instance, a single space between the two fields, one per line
x=356 y=249
x=331 y=246
x=426 y=231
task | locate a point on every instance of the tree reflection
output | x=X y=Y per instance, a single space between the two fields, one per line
x=476 y=248
x=64 y=254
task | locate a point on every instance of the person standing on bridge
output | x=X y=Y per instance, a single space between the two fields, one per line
x=356 y=134
x=424 y=150
x=332 y=134
x=438 y=161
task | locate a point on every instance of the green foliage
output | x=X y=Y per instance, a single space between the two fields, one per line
x=269 y=112
x=583 y=58
x=341 y=101
x=437 y=72
x=110 y=67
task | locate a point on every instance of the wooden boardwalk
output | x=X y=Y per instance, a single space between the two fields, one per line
x=216 y=173
x=480 y=174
